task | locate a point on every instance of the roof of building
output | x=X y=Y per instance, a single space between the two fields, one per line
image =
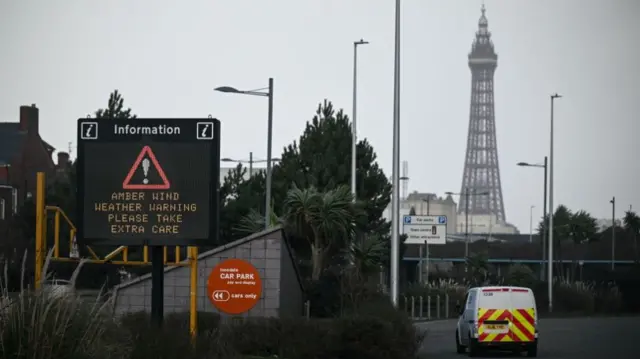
x=418 y=196
x=11 y=140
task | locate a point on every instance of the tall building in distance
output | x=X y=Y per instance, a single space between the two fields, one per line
x=481 y=176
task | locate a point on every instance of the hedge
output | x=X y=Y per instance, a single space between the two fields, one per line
x=36 y=325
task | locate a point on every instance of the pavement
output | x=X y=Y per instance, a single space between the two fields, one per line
x=560 y=338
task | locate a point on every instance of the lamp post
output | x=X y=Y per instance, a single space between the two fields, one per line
x=250 y=162
x=613 y=233
x=354 y=134
x=544 y=211
x=550 y=261
x=264 y=92
x=531 y=224
x=467 y=194
x=395 y=198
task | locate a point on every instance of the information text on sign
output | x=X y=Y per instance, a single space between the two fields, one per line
x=234 y=286
x=147 y=181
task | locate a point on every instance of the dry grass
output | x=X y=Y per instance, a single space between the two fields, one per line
x=38 y=325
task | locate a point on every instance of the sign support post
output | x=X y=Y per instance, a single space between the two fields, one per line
x=426 y=246
x=157 y=284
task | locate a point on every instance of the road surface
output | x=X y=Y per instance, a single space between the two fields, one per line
x=584 y=338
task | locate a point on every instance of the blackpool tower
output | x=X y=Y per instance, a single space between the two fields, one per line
x=481 y=176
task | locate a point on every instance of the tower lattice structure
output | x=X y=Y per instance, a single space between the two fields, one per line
x=481 y=176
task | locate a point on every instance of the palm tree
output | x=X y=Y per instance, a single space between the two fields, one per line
x=367 y=255
x=478 y=266
x=631 y=223
x=583 y=227
x=323 y=219
x=253 y=222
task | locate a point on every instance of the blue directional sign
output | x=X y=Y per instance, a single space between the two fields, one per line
x=425 y=229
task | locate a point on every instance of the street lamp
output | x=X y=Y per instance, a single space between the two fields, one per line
x=395 y=198
x=613 y=233
x=467 y=194
x=531 y=223
x=550 y=272
x=544 y=210
x=250 y=161
x=354 y=135
x=264 y=92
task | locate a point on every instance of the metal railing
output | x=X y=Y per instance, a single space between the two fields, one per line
x=429 y=307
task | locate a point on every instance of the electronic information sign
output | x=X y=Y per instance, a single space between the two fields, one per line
x=148 y=181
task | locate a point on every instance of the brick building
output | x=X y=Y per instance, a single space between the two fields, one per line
x=23 y=153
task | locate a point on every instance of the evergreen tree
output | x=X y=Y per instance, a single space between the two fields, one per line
x=115 y=108
x=321 y=158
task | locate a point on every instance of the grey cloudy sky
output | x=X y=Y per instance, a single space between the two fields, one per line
x=166 y=56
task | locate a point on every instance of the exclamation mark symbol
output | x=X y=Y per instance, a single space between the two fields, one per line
x=89 y=129
x=203 y=134
x=145 y=169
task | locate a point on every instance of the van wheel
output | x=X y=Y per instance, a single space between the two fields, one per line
x=474 y=350
x=460 y=349
x=532 y=350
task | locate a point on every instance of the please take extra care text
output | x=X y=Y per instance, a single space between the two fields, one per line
x=140 y=212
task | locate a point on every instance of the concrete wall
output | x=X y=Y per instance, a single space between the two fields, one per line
x=267 y=251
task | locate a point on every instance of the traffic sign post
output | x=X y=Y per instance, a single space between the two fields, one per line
x=150 y=182
x=234 y=286
x=425 y=230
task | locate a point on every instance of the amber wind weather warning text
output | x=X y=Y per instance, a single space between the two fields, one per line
x=148 y=181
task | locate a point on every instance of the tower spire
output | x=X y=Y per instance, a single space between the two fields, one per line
x=483 y=23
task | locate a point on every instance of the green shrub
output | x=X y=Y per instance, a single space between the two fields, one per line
x=573 y=297
x=374 y=330
x=173 y=339
x=403 y=341
x=608 y=299
x=520 y=275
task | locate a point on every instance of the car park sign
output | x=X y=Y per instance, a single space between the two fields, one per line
x=425 y=229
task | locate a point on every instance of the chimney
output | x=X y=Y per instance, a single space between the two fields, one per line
x=29 y=119
x=63 y=159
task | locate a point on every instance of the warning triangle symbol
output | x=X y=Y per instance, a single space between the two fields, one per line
x=143 y=166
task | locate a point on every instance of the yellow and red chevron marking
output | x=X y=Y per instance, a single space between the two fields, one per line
x=521 y=328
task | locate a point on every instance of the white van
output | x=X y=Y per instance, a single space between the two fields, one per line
x=501 y=318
